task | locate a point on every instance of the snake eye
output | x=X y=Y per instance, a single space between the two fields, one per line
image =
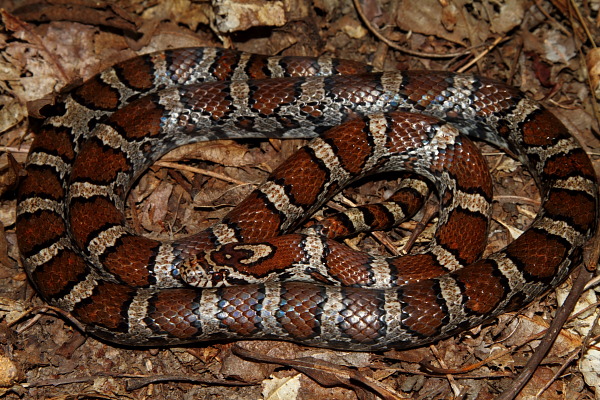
x=219 y=277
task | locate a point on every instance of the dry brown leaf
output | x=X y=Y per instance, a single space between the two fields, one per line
x=429 y=18
x=593 y=67
x=326 y=374
x=240 y=15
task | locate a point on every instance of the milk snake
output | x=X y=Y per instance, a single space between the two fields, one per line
x=97 y=139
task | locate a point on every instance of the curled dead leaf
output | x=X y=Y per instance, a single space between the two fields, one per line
x=593 y=66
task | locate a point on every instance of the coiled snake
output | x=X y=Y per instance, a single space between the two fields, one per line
x=303 y=287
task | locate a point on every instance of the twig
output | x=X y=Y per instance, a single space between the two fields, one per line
x=449 y=377
x=139 y=382
x=13 y=149
x=483 y=53
x=546 y=343
x=42 y=310
x=200 y=171
x=583 y=23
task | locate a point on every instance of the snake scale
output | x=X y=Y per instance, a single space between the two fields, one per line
x=250 y=275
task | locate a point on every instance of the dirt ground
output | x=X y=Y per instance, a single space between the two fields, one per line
x=45 y=46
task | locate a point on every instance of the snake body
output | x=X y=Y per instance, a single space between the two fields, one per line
x=269 y=283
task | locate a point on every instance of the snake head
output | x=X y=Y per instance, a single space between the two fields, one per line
x=200 y=272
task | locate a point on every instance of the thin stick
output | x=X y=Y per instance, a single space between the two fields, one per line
x=548 y=340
